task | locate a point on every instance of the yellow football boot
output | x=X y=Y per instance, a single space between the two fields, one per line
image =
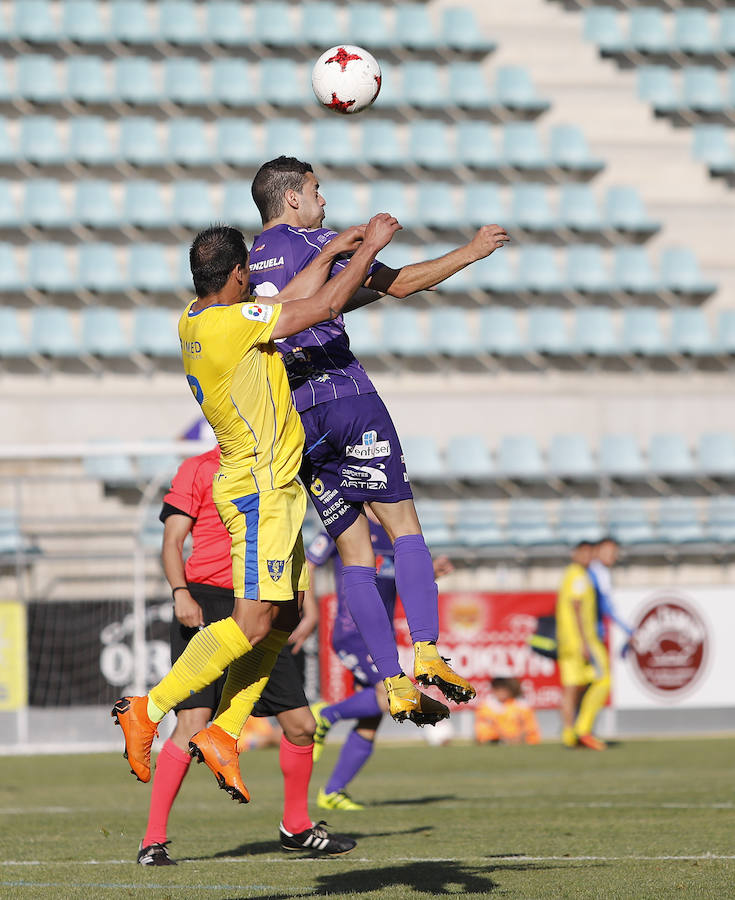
x=407 y=702
x=430 y=668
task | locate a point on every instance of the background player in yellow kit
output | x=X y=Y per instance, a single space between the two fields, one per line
x=584 y=667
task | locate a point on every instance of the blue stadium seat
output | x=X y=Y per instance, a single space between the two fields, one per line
x=423 y=86
x=461 y=31
x=468 y=457
x=625 y=211
x=178 y=22
x=690 y=332
x=52 y=333
x=226 y=23
x=678 y=521
x=669 y=454
x=522 y=147
x=468 y=87
x=437 y=207
x=144 y=205
x=34 y=21
x=89 y=141
x=712 y=146
x=633 y=271
x=103 y=334
x=716 y=453
x=8 y=151
x=13 y=342
x=434 y=523
x=726 y=331
x=393 y=196
x=578 y=208
x=99 y=269
x=273 y=24
x=539 y=269
x=423 y=458
x=37 y=78
x=579 y=520
x=282 y=83
x=130 y=22
x=381 y=144
x=496 y=273
x=155 y=333
x=478 y=524
x=9 y=215
x=362 y=333
x=391 y=87
x=547 y=331
x=232 y=82
x=402 y=332
x=620 y=455
x=477 y=145
x=649 y=31
x=333 y=142
x=320 y=24
x=414 y=27
x=519 y=456
x=642 y=334
x=140 y=143
x=44 y=204
x=595 y=332
x=431 y=145
x=570 y=456
x=721 y=519
x=483 y=205
x=7 y=82
x=515 y=90
x=40 y=141
x=680 y=272
x=148 y=268
x=182 y=271
x=587 y=270
x=568 y=149
x=450 y=333
x=82 y=23
x=11 y=279
x=531 y=208
x=192 y=205
x=629 y=522
x=459 y=283
x=726 y=36
x=185 y=81
x=397 y=254
x=344 y=207
x=731 y=86
x=528 y=523
x=158 y=467
x=94 y=205
x=49 y=269
x=188 y=143
x=136 y=81
x=602 y=26
x=88 y=81
x=238 y=208
x=236 y=144
x=111 y=468
x=368 y=25
x=693 y=33
x=702 y=90
x=285 y=136
x=656 y=86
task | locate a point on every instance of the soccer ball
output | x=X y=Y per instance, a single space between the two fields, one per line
x=346 y=79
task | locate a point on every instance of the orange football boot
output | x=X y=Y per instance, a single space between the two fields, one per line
x=213 y=746
x=131 y=714
x=591 y=742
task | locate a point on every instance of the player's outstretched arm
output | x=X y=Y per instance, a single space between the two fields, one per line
x=328 y=302
x=420 y=276
x=309 y=280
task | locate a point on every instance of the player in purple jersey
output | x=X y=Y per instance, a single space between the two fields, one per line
x=369 y=701
x=353 y=449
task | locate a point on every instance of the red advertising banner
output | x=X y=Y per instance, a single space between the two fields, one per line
x=484 y=634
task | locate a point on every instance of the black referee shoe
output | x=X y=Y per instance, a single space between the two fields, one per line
x=154 y=855
x=316 y=840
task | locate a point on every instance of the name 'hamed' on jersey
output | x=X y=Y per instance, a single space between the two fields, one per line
x=319 y=362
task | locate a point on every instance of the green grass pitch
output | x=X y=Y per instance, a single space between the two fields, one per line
x=646 y=819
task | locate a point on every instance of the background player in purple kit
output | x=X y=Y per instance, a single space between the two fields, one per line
x=352 y=445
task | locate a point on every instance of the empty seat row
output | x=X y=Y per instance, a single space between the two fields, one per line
x=185 y=81
x=231 y=23
x=144 y=141
x=714 y=146
x=640 y=332
x=570 y=456
x=698 y=89
x=689 y=30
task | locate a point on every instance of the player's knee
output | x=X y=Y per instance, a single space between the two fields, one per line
x=298 y=726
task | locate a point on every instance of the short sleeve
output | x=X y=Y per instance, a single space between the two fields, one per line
x=185 y=493
x=257 y=321
x=320 y=549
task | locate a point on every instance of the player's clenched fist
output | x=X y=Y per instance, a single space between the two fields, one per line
x=380 y=229
x=349 y=240
x=488 y=239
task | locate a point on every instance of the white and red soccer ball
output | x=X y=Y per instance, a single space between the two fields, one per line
x=346 y=79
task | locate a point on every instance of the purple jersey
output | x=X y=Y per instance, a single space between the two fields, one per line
x=323 y=548
x=319 y=362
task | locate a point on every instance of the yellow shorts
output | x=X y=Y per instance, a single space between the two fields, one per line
x=574 y=669
x=268 y=561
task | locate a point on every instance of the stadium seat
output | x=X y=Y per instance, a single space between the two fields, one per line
x=633 y=272
x=11 y=278
x=468 y=457
x=103 y=334
x=9 y=215
x=40 y=141
x=570 y=456
x=528 y=523
x=450 y=333
x=468 y=87
x=726 y=37
x=602 y=26
x=188 y=143
x=716 y=453
x=157 y=467
x=237 y=146
x=333 y=142
x=140 y=142
x=238 y=207
x=531 y=209
x=461 y=31
x=692 y=32
x=89 y=141
x=320 y=24
x=82 y=23
x=285 y=136
x=87 y=80
x=192 y=205
x=94 y=205
x=178 y=22
x=44 y=204
x=397 y=254
x=226 y=24
x=690 y=333
x=49 y=269
x=459 y=283
x=483 y=204
x=642 y=333
x=13 y=342
x=52 y=333
x=99 y=269
x=362 y=332
x=629 y=522
x=578 y=208
x=423 y=86
x=34 y=21
x=624 y=211
x=702 y=90
x=568 y=149
x=181 y=274
x=726 y=331
x=282 y=84
x=496 y=273
x=136 y=81
x=434 y=523
x=148 y=268
x=232 y=82
x=273 y=24
x=519 y=456
x=38 y=78
x=414 y=28
x=423 y=458
x=391 y=87
x=678 y=521
x=144 y=205
x=547 y=331
x=185 y=81
x=721 y=519
x=515 y=90
x=522 y=147
x=578 y=520
x=155 y=333
x=539 y=270
x=344 y=207
x=595 y=332
x=478 y=524
x=130 y=23
x=8 y=152
x=656 y=86
x=110 y=468
x=477 y=146
x=381 y=144
x=587 y=270
x=402 y=332
x=669 y=454
x=648 y=31
x=431 y=145
x=680 y=272
x=713 y=147
x=437 y=207
x=391 y=195
x=368 y=25
x=620 y=455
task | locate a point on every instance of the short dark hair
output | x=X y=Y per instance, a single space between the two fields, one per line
x=512 y=685
x=581 y=544
x=273 y=179
x=607 y=539
x=214 y=253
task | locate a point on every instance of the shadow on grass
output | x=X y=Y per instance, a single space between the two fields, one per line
x=415 y=801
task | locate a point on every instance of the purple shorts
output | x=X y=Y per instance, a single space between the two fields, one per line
x=354 y=656
x=352 y=455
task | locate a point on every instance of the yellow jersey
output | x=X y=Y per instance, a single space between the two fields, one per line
x=576 y=586
x=238 y=378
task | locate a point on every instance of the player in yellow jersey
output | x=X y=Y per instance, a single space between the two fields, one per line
x=584 y=667
x=236 y=374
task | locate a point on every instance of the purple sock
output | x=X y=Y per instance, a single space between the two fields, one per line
x=361 y=705
x=371 y=618
x=353 y=756
x=416 y=586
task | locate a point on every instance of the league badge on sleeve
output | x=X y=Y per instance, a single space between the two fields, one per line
x=257 y=312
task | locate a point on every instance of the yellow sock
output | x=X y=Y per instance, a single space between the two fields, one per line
x=568 y=737
x=205 y=658
x=246 y=681
x=154 y=713
x=592 y=702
